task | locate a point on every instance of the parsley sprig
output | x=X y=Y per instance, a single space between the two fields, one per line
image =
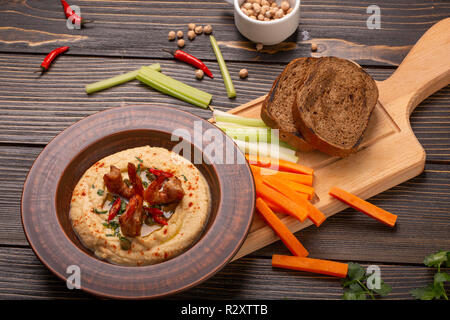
x=435 y=290
x=355 y=284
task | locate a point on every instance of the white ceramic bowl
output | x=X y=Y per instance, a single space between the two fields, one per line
x=267 y=32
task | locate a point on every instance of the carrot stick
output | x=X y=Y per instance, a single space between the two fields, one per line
x=314 y=214
x=301 y=188
x=280 y=229
x=327 y=267
x=289 y=207
x=363 y=206
x=282 y=165
x=290 y=176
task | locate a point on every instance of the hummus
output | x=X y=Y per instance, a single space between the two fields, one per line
x=91 y=202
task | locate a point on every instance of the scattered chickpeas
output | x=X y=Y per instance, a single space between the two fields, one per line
x=259 y=46
x=207 y=29
x=191 y=26
x=172 y=35
x=198 y=30
x=199 y=74
x=313 y=47
x=243 y=73
x=180 y=43
x=180 y=34
x=265 y=10
x=191 y=35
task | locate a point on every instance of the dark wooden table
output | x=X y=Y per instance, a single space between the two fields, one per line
x=128 y=34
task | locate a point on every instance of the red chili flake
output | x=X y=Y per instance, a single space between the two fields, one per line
x=190 y=204
x=165 y=231
x=166 y=255
x=84 y=193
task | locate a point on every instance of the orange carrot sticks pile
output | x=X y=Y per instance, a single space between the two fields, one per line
x=364 y=206
x=280 y=229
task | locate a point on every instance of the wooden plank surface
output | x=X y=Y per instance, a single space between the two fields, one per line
x=22 y=276
x=128 y=34
x=338 y=27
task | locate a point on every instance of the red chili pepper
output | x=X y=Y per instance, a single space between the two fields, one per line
x=156 y=214
x=186 y=57
x=114 y=209
x=70 y=13
x=50 y=57
x=157 y=172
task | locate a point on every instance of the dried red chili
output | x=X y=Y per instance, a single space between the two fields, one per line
x=156 y=214
x=50 y=57
x=114 y=209
x=158 y=172
x=188 y=58
x=71 y=14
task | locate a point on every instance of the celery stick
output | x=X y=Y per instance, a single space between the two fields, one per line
x=114 y=81
x=264 y=149
x=174 y=88
x=223 y=68
x=228 y=117
x=172 y=82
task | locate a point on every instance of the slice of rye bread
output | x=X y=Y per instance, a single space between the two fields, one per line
x=276 y=109
x=333 y=107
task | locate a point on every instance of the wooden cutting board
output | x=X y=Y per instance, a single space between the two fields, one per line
x=390 y=153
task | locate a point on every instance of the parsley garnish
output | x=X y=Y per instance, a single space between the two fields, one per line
x=100 y=192
x=435 y=290
x=99 y=211
x=139 y=159
x=355 y=284
x=184 y=177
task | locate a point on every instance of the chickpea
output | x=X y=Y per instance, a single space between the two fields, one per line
x=265 y=3
x=256 y=8
x=248 y=5
x=243 y=73
x=259 y=46
x=266 y=19
x=252 y=17
x=180 y=43
x=172 y=35
x=191 y=35
x=199 y=74
x=268 y=14
x=250 y=12
x=290 y=10
x=207 y=29
x=274 y=5
x=313 y=47
x=198 y=30
x=257 y=1
x=285 y=5
x=264 y=9
x=261 y=17
x=279 y=14
x=191 y=26
x=180 y=34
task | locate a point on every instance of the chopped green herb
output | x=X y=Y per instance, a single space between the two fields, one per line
x=145 y=184
x=100 y=192
x=435 y=290
x=184 y=177
x=93 y=187
x=95 y=210
x=139 y=159
x=355 y=284
x=138 y=171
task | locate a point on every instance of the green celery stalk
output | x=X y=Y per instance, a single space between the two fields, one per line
x=232 y=118
x=114 y=81
x=174 y=88
x=223 y=68
x=163 y=79
x=264 y=149
x=254 y=134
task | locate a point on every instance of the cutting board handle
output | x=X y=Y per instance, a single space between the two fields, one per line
x=425 y=70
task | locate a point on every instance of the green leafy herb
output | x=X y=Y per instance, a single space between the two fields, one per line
x=139 y=159
x=145 y=184
x=435 y=290
x=93 y=187
x=95 y=210
x=355 y=284
x=100 y=192
x=184 y=177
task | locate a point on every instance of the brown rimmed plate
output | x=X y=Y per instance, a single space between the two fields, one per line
x=48 y=189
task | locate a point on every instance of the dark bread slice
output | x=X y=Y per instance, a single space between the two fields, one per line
x=276 y=110
x=333 y=107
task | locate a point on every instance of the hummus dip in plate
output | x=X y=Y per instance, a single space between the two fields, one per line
x=161 y=227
